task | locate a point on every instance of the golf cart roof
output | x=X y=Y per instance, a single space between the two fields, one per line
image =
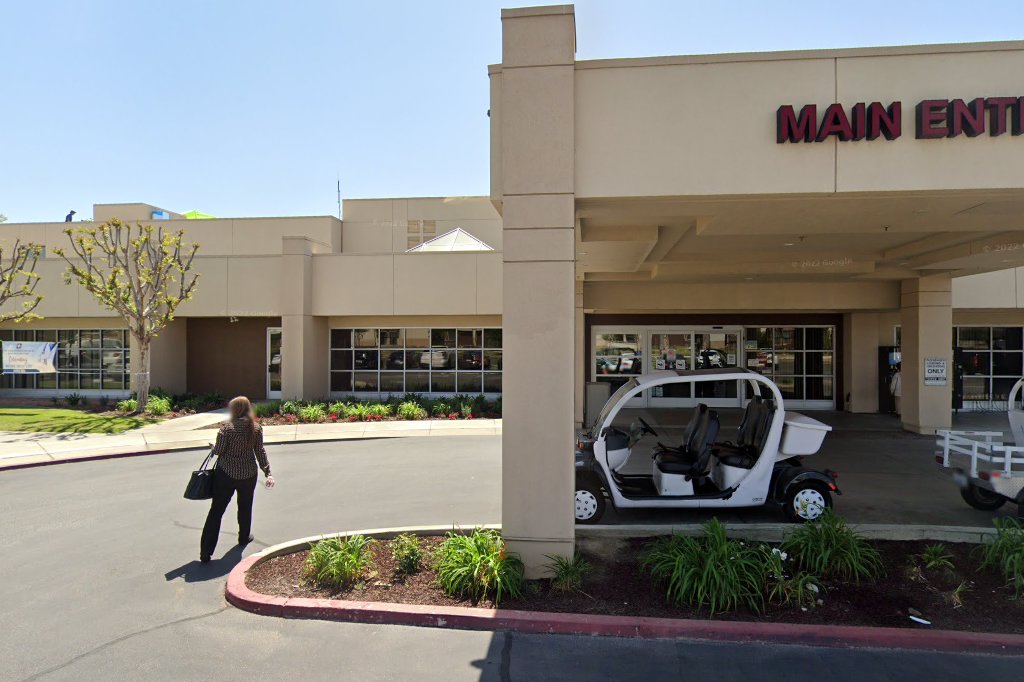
x=666 y=376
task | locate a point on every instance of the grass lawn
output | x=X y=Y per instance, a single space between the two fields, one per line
x=58 y=420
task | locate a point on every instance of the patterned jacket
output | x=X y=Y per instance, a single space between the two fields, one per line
x=239 y=447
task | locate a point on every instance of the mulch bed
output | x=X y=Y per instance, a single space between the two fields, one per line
x=617 y=586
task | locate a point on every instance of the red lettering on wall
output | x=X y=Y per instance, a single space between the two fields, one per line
x=860 y=121
x=932 y=121
x=789 y=128
x=997 y=109
x=965 y=118
x=886 y=122
x=834 y=122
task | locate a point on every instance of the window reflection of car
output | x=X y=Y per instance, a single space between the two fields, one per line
x=470 y=359
x=435 y=359
x=366 y=359
x=711 y=358
x=395 y=360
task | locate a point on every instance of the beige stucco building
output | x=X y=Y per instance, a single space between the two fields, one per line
x=797 y=213
x=695 y=209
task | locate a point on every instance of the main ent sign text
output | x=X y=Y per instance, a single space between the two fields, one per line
x=933 y=118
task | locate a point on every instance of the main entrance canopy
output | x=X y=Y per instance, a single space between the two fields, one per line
x=664 y=186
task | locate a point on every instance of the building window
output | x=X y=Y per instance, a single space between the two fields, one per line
x=991 y=359
x=800 y=360
x=419 y=231
x=87 y=360
x=395 y=361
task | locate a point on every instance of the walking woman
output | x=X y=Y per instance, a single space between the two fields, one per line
x=239 y=448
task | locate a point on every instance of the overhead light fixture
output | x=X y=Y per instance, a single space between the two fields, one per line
x=748 y=278
x=788 y=244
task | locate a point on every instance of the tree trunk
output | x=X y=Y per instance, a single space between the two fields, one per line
x=142 y=378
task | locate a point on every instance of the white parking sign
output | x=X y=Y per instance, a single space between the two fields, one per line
x=934 y=371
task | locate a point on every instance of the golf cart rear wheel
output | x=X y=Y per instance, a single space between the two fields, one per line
x=982 y=499
x=588 y=502
x=807 y=501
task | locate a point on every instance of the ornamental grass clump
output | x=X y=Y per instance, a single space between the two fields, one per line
x=831 y=549
x=477 y=566
x=711 y=571
x=338 y=562
x=407 y=553
x=785 y=586
x=1005 y=552
x=568 y=573
x=935 y=557
x=267 y=409
x=158 y=406
x=313 y=413
x=127 y=405
x=411 y=411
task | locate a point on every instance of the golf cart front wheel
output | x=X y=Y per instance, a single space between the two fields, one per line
x=807 y=501
x=982 y=499
x=588 y=502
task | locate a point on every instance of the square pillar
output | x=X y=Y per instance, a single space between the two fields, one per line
x=926 y=316
x=860 y=362
x=535 y=129
x=304 y=337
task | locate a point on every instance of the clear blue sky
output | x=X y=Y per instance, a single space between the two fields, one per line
x=254 y=108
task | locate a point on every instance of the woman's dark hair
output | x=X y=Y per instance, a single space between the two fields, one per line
x=241 y=408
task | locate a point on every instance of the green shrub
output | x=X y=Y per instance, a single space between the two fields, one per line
x=1005 y=552
x=75 y=399
x=441 y=409
x=829 y=548
x=337 y=408
x=267 y=409
x=190 y=405
x=569 y=574
x=407 y=553
x=466 y=410
x=127 y=405
x=158 y=405
x=412 y=411
x=497 y=407
x=935 y=556
x=379 y=410
x=290 y=407
x=787 y=588
x=711 y=571
x=213 y=399
x=338 y=562
x=313 y=413
x=477 y=565
x=358 y=411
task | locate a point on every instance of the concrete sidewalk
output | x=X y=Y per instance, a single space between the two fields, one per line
x=21 y=449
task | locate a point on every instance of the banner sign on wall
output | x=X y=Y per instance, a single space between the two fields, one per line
x=29 y=357
x=934 y=372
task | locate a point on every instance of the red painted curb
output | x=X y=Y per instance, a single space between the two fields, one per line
x=467 y=618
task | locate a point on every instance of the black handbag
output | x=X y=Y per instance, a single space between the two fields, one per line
x=200 y=484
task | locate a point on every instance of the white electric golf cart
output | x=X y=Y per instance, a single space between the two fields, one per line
x=760 y=464
x=988 y=472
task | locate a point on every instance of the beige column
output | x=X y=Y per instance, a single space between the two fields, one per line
x=539 y=290
x=860 y=363
x=304 y=338
x=926 y=314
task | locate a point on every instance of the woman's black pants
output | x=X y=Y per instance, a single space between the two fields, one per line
x=223 y=488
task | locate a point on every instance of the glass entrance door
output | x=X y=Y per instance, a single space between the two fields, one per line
x=273 y=363
x=681 y=349
x=717 y=350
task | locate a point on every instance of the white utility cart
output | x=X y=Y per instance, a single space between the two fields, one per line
x=760 y=464
x=990 y=473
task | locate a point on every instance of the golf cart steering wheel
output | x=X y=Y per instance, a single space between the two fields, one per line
x=647 y=427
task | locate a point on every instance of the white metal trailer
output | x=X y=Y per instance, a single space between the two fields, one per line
x=990 y=473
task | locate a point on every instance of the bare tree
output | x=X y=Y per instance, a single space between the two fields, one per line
x=18 y=280
x=141 y=273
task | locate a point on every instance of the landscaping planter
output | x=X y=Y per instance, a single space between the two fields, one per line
x=620 y=599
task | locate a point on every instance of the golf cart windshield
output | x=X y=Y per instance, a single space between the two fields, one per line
x=611 y=403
